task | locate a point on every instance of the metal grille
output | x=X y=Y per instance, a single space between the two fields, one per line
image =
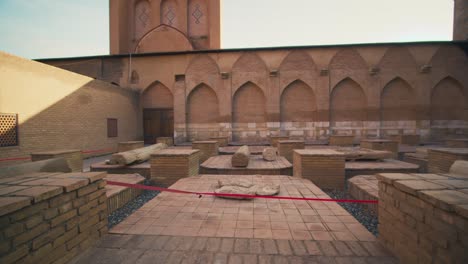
x=8 y=130
x=112 y=127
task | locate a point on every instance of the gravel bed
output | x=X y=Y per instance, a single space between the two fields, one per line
x=366 y=217
x=120 y=214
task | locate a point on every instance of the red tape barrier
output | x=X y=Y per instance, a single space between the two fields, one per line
x=84 y=152
x=154 y=188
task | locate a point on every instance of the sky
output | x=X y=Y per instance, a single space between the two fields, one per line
x=70 y=28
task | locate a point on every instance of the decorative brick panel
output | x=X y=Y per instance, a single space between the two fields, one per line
x=8 y=130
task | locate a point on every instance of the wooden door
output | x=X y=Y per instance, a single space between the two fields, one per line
x=157 y=123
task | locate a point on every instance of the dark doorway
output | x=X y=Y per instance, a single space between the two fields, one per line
x=157 y=123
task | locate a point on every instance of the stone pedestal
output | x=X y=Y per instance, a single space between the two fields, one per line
x=166 y=140
x=222 y=141
x=74 y=157
x=130 y=145
x=341 y=140
x=324 y=167
x=408 y=139
x=286 y=148
x=381 y=144
x=207 y=149
x=457 y=143
x=170 y=165
x=439 y=160
x=423 y=217
x=274 y=140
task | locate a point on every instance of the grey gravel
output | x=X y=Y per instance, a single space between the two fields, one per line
x=366 y=217
x=120 y=214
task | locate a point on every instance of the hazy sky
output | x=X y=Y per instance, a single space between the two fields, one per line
x=67 y=28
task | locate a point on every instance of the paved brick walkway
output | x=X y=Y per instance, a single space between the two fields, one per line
x=136 y=249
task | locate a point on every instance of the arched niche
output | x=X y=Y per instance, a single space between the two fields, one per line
x=157 y=95
x=448 y=101
x=347 y=102
x=168 y=13
x=202 y=105
x=298 y=103
x=297 y=65
x=397 y=58
x=202 y=69
x=198 y=18
x=141 y=18
x=249 y=68
x=397 y=101
x=348 y=59
x=163 y=38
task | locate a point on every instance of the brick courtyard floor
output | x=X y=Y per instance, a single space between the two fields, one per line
x=174 y=227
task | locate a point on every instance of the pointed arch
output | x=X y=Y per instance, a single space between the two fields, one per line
x=249 y=104
x=397 y=101
x=163 y=38
x=202 y=105
x=449 y=56
x=141 y=18
x=347 y=59
x=157 y=95
x=448 y=101
x=249 y=67
x=202 y=68
x=298 y=60
x=398 y=57
x=297 y=103
x=348 y=102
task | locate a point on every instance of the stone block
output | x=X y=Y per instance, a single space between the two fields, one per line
x=170 y=165
x=441 y=159
x=274 y=140
x=381 y=144
x=341 y=140
x=223 y=141
x=286 y=148
x=207 y=149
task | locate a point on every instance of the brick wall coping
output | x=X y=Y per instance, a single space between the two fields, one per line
x=378 y=140
x=458 y=151
x=318 y=152
x=175 y=152
x=367 y=183
x=447 y=192
x=56 y=152
x=112 y=190
x=205 y=142
x=24 y=190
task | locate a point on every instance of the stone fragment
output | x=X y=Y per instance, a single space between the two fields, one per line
x=269 y=154
x=136 y=156
x=459 y=168
x=241 y=157
x=236 y=190
x=267 y=189
x=239 y=183
x=241 y=186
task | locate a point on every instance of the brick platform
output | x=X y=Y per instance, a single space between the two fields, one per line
x=74 y=157
x=423 y=218
x=354 y=168
x=230 y=150
x=207 y=149
x=188 y=215
x=166 y=140
x=286 y=148
x=47 y=217
x=118 y=196
x=324 y=167
x=130 y=145
x=341 y=140
x=223 y=141
x=407 y=139
x=222 y=165
x=274 y=140
x=143 y=169
x=440 y=159
x=457 y=143
x=381 y=144
x=365 y=187
x=171 y=165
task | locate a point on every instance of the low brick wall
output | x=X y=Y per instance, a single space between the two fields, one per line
x=440 y=159
x=171 y=165
x=74 y=157
x=381 y=144
x=207 y=149
x=418 y=159
x=166 y=140
x=286 y=148
x=365 y=187
x=130 y=145
x=423 y=218
x=222 y=141
x=51 y=217
x=341 y=140
x=118 y=196
x=408 y=139
x=324 y=167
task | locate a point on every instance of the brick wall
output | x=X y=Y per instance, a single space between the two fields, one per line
x=50 y=218
x=63 y=110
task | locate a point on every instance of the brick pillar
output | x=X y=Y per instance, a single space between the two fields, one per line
x=286 y=148
x=207 y=149
x=170 y=165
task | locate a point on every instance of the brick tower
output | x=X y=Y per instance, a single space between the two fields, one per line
x=141 y=26
x=460 y=20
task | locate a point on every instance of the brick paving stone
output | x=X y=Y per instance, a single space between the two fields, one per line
x=284 y=247
x=327 y=248
x=235 y=259
x=186 y=243
x=151 y=256
x=280 y=260
x=175 y=257
x=342 y=248
x=295 y=260
x=255 y=246
x=200 y=243
x=249 y=259
x=227 y=245
x=312 y=248
x=241 y=245
x=113 y=241
x=269 y=246
x=173 y=243
x=375 y=249
x=220 y=258
x=298 y=247
x=213 y=244
x=265 y=259
x=357 y=249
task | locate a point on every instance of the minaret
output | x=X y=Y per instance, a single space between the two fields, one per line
x=460 y=20
x=141 y=26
